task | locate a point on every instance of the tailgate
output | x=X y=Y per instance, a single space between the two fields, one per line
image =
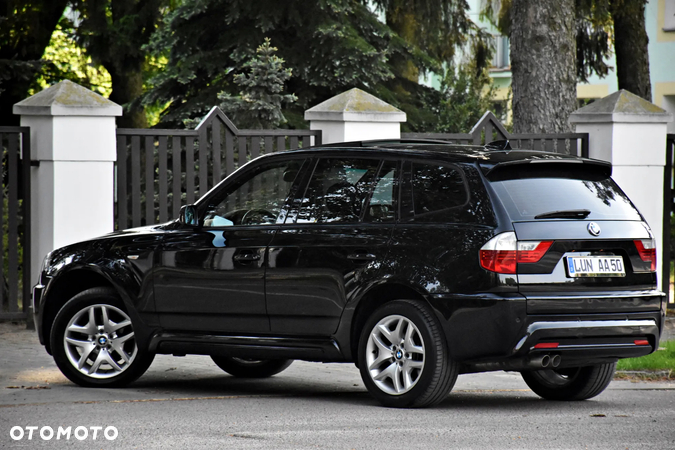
x=584 y=273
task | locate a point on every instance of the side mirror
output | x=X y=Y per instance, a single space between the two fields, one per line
x=188 y=216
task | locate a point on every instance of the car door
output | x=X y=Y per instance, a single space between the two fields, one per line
x=332 y=242
x=210 y=278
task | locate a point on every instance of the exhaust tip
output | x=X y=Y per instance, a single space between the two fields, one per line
x=545 y=361
x=555 y=360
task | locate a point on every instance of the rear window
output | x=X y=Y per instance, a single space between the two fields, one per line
x=525 y=198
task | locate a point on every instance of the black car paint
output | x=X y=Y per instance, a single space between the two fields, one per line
x=484 y=314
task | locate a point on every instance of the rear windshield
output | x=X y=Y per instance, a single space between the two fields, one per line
x=525 y=198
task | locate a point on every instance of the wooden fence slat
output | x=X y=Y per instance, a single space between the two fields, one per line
x=269 y=144
x=190 y=170
x=217 y=150
x=573 y=149
x=2 y=215
x=176 y=174
x=229 y=153
x=255 y=147
x=294 y=142
x=135 y=181
x=203 y=162
x=122 y=204
x=13 y=222
x=488 y=133
x=281 y=143
x=243 y=159
x=163 y=188
x=149 y=180
x=27 y=237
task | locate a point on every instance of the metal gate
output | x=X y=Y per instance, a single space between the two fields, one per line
x=15 y=289
x=668 y=211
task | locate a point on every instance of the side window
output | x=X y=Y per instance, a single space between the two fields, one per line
x=337 y=191
x=257 y=200
x=383 y=203
x=437 y=192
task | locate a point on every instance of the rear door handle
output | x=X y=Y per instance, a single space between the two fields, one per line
x=243 y=257
x=362 y=257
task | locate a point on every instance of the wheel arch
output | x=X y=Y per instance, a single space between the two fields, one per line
x=372 y=299
x=68 y=284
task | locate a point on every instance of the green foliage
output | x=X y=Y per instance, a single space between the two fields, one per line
x=25 y=29
x=114 y=32
x=259 y=104
x=329 y=45
x=65 y=59
x=659 y=360
x=465 y=98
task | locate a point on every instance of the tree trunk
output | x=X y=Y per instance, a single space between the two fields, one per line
x=127 y=86
x=630 y=45
x=543 y=64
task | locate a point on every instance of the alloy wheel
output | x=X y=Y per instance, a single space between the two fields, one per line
x=99 y=341
x=395 y=355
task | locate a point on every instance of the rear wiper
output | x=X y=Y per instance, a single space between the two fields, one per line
x=568 y=214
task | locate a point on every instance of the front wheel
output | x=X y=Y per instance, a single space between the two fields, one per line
x=94 y=343
x=403 y=356
x=251 y=368
x=576 y=383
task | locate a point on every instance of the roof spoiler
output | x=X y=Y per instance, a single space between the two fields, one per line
x=560 y=167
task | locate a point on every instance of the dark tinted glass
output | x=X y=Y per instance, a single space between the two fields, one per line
x=526 y=198
x=338 y=190
x=257 y=199
x=383 y=202
x=436 y=190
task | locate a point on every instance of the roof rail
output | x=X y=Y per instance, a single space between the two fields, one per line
x=377 y=142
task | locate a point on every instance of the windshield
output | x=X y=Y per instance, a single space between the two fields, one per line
x=572 y=198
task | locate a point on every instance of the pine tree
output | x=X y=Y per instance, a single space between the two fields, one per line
x=259 y=104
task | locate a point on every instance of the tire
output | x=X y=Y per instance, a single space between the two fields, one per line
x=92 y=351
x=251 y=368
x=578 y=383
x=403 y=356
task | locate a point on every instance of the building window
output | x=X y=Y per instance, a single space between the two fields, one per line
x=500 y=59
x=669 y=20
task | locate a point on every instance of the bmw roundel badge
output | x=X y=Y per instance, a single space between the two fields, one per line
x=594 y=229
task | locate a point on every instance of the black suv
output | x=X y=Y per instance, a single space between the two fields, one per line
x=417 y=261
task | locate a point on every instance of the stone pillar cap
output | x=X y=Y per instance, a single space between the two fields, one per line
x=355 y=105
x=67 y=99
x=621 y=106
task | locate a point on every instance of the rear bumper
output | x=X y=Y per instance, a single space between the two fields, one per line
x=576 y=341
x=585 y=341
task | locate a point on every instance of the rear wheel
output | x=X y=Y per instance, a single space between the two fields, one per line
x=577 y=383
x=403 y=356
x=251 y=368
x=94 y=342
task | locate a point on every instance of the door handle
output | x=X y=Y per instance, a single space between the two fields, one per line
x=361 y=257
x=245 y=257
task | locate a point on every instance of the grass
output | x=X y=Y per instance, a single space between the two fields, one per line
x=663 y=360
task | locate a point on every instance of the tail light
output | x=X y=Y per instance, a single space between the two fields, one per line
x=647 y=250
x=503 y=252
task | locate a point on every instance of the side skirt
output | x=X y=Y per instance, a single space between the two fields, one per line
x=256 y=347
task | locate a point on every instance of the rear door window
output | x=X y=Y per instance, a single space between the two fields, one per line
x=338 y=190
x=437 y=192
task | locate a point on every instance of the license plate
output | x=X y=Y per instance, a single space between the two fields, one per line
x=595 y=266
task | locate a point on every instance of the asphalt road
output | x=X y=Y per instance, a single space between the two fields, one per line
x=188 y=403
